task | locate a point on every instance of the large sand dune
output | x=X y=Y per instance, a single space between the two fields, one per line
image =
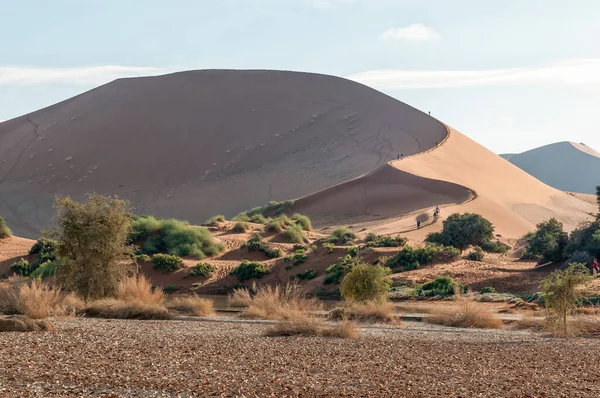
x=194 y=144
x=564 y=165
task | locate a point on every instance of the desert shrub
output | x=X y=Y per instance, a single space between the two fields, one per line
x=447 y=254
x=342 y=235
x=143 y=227
x=250 y=270
x=440 y=286
x=240 y=297
x=272 y=209
x=494 y=247
x=204 y=270
x=37 y=300
x=215 y=220
x=366 y=283
x=166 y=262
x=294 y=234
x=581 y=257
x=299 y=257
x=142 y=258
x=344 y=265
x=547 y=242
x=192 y=305
x=410 y=258
x=181 y=239
x=21 y=323
x=303 y=221
x=279 y=302
x=45 y=270
x=258 y=219
x=308 y=274
x=273 y=252
x=46 y=249
x=329 y=247
x=92 y=239
x=369 y=311
x=561 y=291
x=22 y=267
x=462 y=230
x=373 y=240
x=353 y=251
x=241 y=227
x=5 y=232
x=170 y=288
x=118 y=309
x=470 y=314
x=476 y=254
x=306 y=325
x=257 y=244
x=487 y=290
x=288 y=267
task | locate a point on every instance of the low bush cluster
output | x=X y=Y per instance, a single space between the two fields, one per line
x=272 y=209
x=256 y=244
x=5 y=232
x=476 y=254
x=308 y=274
x=166 y=262
x=373 y=240
x=366 y=283
x=336 y=271
x=294 y=234
x=342 y=235
x=241 y=227
x=410 y=258
x=215 y=220
x=250 y=270
x=462 y=230
x=47 y=260
x=204 y=270
x=494 y=247
x=442 y=286
x=302 y=221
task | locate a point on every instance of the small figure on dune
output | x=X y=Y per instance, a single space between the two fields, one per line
x=429 y=113
x=398 y=156
x=418 y=224
x=401 y=156
x=595 y=268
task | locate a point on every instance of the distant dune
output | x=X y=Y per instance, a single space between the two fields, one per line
x=197 y=143
x=564 y=165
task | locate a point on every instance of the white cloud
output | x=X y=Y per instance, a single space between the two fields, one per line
x=572 y=72
x=414 y=32
x=31 y=75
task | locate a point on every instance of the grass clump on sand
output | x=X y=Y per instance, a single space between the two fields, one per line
x=476 y=254
x=166 y=262
x=373 y=240
x=304 y=325
x=297 y=257
x=215 y=220
x=256 y=244
x=303 y=221
x=278 y=224
x=174 y=237
x=192 y=305
x=307 y=275
x=240 y=227
x=272 y=209
x=336 y=271
x=294 y=234
x=250 y=270
x=495 y=247
x=5 y=232
x=369 y=312
x=277 y=302
x=469 y=314
x=20 y=323
x=342 y=235
x=204 y=270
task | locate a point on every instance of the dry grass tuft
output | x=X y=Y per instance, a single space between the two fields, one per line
x=344 y=329
x=37 y=300
x=280 y=302
x=302 y=324
x=192 y=305
x=470 y=314
x=582 y=326
x=240 y=298
x=139 y=289
x=20 y=323
x=119 y=309
x=371 y=311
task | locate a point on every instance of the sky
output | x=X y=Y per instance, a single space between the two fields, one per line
x=510 y=74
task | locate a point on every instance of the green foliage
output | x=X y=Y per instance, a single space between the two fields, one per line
x=258 y=219
x=215 y=220
x=299 y=257
x=278 y=224
x=303 y=221
x=490 y=246
x=441 y=286
x=143 y=227
x=181 y=239
x=204 y=270
x=170 y=288
x=241 y=227
x=353 y=251
x=142 y=258
x=5 y=232
x=581 y=257
x=598 y=199
x=410 y=258
x=22 y=267
x=462 y=230
x=92 y=242
x=342 y=235
x=273 y=252
x=250 y=270
x=272 y=209
x=166 y=262
x=47 y=251
x=288 y=267
x=308 y=274
x=447 y=254
x=336 y=271
x=45 y=270
x=329 y=247
x=476 y=254
x=366 y=283
x=548 y=242
x=487 y=289
x=561 y=291
x=373 y=240
x=294 y=234
x=256 y=244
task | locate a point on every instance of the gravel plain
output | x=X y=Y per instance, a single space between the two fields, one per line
x=230 y=358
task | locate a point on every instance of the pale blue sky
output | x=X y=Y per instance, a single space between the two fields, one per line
x=511 y=74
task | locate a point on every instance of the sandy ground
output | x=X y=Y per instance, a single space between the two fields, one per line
x=105 y=358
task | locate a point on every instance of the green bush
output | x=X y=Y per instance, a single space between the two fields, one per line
x=303 y=221
x=476 y=254
x=494 y=247
x=278 y=225
x=581 y=257
x=166 y=262
x=462 y=230
x=329 y=247
x=215 y=220
x=142 y=258
x=344 y=264
x=250 y=270
x=256 y=244
x=366 y=283
x=258 y=219
x=294 y=234
x=46 y=250
x=179 y=238
x=170 y=288
x=410 y=258
x=5 y=232
x=299 y=257
x=353 y=251
x=143 y=227
x=22 y=267
x=373 y=240
x=203 y=270
x=273 y=252
x=441 y=286
x=548 y=242
x=343 y=235
x=447 y=254
x=308 y=274
x=288 y=267
x=272 y=209
x=487 y=289
x=241 y=227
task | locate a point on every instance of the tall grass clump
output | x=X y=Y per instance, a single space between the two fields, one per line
x=215 y=220
x=5 y=232
x=469 y=314
x=278 y=224
x=303 y=221
x=280 y=302
x=241 y=227
x=294 y=234
x=37 y=300
x=192 y=305
x=373 y=240
x=370 y=312
x=306 y=325
x=342 y=235
x=143 y=227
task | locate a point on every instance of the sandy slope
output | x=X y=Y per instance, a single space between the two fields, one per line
x=567 y=166
x=194 y=144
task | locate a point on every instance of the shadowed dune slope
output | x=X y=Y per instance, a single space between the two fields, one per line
x=564 y=165
x=193 y=144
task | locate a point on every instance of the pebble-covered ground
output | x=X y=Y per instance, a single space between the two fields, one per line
x=230 y=358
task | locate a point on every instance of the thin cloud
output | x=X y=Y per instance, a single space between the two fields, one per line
x=573 y=72
x=414 y=32
x=27 y=75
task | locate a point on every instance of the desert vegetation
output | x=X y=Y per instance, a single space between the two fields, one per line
x=5 y=232
x=203 y=270
x=467 y=313
x=250 y=270
x=215 y=220
x=166 y=262
x=463 y=230
x=257 y=244
x=373 y=240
